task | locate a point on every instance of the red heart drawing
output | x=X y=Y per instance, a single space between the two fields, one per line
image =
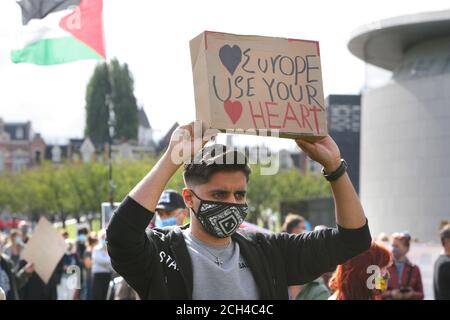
x=234 y=110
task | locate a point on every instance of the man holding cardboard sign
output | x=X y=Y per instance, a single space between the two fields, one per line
x=211 y=258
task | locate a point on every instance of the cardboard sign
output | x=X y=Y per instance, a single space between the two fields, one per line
x=44 y=249
x=255 y=82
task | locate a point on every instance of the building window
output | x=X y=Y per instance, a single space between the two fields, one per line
x=345 y=118
x=56 y=154
x=20 y=160
x=19 y=133
x=37 y=157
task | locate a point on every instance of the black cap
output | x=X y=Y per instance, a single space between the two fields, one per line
x=170 y=200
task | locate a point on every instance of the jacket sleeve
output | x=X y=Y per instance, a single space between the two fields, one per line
x=309 y=255
x=22 y=278
x=442 y=282
x=132 y=252
x=418 y=287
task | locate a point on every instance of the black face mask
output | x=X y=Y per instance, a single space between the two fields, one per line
x=220 y=219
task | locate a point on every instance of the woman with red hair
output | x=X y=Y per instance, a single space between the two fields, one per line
x=363 y=277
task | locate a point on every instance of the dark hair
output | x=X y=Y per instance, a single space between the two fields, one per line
x=84 y=231
x=213 y=159
x=291 y=221
x=92 y=241
x=445 y=233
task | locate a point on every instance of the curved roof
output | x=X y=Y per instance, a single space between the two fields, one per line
x=383 y=43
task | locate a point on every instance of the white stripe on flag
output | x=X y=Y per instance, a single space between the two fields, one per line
x=38 y=29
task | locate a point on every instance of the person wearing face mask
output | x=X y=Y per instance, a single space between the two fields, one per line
x=441 y=274
x=69 y=260
x=14 y=246
x=170 y=210
x=211 y=258
x=101 y=269
x=406 y=281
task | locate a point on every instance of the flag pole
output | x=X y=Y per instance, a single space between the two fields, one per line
x=111 y=122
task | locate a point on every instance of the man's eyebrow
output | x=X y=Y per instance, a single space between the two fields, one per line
x=218 y=190
x=226 y=191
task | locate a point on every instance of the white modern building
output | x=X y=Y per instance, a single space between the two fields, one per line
x=405 y=125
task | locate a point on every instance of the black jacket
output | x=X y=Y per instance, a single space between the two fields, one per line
x=8 y=266
x=36 y=289
x=157 y=264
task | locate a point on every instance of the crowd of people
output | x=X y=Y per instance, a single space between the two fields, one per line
x=158 y=255
x=85 y=257
x=400 y=278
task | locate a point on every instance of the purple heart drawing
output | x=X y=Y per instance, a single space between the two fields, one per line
x=230 y=57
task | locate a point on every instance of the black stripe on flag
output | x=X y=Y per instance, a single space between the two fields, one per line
x=39 y=9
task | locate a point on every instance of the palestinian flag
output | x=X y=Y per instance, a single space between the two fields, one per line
x=60 y=31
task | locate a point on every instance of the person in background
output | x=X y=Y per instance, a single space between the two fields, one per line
x=80 y=248
x=10 y=280
x=12 y=223
x=441 y=276
x=383 y=237
x=101 y=269
x=171 y=209
x=350 y=280
x=2 y=241
x=14 y=246
x=82 y=236
x=35 y=289
x=86 y=288
x=406 y=281
x=316 y=289
x=69 y=260
x=24 y=227
x=65 y=234
x=294 y=224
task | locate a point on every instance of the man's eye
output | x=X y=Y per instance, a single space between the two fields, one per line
x=239 y=196
x=220 y=195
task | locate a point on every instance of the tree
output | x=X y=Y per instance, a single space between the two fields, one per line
x=96 y=110
x=72 y=190
x=117 y=81
x=125 y=105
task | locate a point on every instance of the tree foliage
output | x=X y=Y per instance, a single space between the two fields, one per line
x=113 y=79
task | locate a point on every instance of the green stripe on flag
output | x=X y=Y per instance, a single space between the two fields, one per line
x=54 y=51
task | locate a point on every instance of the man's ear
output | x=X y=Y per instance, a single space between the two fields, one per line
x=187 y=197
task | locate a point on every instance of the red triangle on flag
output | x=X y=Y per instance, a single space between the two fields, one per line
x=86 y=24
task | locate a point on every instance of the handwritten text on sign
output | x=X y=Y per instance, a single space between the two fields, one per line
x=277 y=89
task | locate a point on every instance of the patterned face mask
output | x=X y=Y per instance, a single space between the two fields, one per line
x=220 y=219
